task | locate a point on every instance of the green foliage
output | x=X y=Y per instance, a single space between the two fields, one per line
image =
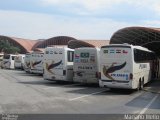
x=6 y=47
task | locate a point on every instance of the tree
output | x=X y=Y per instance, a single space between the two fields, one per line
x=6 y=47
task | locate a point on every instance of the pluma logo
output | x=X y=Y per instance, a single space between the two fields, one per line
x=112 y=69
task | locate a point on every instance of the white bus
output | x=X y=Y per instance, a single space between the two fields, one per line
x=8 y=61
x=19 y=61
x=85 y=65
x=1 y=59
x=58 y=64
x=27 y=62
x=125 y=66
x=36 y=62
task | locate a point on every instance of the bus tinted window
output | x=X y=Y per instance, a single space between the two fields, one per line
x=47 y=52
x=70 y=56
x=141 y=56
x=13 y=57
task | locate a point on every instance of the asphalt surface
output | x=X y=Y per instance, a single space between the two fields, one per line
x=24 y=93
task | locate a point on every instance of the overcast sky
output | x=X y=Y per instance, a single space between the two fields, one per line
x=82 y=19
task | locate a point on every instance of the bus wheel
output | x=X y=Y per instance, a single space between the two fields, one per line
x=142 y=85
x=139 y=85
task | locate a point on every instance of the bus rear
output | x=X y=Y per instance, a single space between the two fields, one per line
x=36 y=62
x=27 y=62
x=116 y=66
x=8 y=61
x=56 y=64
x=86 y=65
x=19 y=62
x=53 y=68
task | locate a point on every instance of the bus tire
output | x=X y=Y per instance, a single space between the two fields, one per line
x=142 y=85
x=139 y=85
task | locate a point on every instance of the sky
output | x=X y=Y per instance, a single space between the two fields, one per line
x=81 y=19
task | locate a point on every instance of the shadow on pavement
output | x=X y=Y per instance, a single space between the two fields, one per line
x=150 y=91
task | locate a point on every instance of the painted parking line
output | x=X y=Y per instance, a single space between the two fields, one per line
x=72 y=99
x=147 y=106
x=61 y=86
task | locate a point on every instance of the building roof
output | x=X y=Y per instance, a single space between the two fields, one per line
x=25 y=45
x=59 y=40
x=143 y=36
x=87 y=43
x=97 y=43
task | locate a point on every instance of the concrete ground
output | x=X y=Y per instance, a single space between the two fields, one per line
x=22 y=93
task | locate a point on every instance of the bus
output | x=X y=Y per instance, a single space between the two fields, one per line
x=36 y=62
x=19 y=61
x=58 y=64
x=85 y=67
x=27 y=62
x=1 y=59
x=126 y=66
x=8 y=61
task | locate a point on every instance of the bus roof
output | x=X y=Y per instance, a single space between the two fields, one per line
x=59 y=47
x=128 y=46
x=81 y=48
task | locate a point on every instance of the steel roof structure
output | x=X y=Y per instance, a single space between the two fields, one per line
x=143 y=36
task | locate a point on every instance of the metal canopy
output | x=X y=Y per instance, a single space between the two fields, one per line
x=147 y=37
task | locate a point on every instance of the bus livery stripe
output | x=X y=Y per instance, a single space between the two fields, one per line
x=51 y=66
x=36 y=63
x=112 y=69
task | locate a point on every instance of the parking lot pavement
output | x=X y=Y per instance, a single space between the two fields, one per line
x=28 y=93
x=153 y=87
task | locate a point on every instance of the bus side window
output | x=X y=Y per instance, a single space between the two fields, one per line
x=13 y=57
x=142 y=56
x=136 y=56
x=47 y=52
x=139 y=55
x=70 y=56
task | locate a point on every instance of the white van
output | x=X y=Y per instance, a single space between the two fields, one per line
x=125 y=66
x=8 y=61
x=27 y=60
x=36 y=62
x=58 y=63
x=85 y=65
x=19 y=61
